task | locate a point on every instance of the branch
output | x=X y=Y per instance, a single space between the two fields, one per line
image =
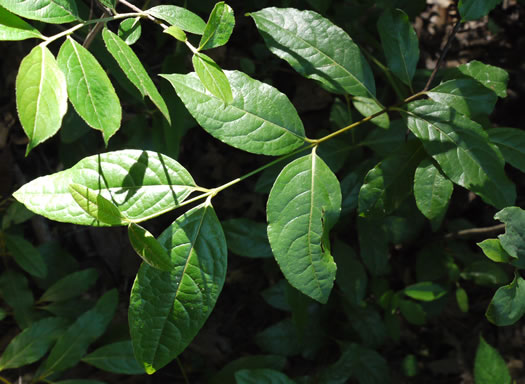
x=475 y=231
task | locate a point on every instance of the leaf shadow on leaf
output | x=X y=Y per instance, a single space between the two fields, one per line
x=135 y=176
x=165 y=169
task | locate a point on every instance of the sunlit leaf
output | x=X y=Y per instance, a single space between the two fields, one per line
x=219 y=27
x=212 y=77
x=13 y=27
x=513 y=240
x=425 y=291
x=489 y=366
x=48 y=11
x=149 y=248
x=129 y=30
x=179 y=17
x=96 y=205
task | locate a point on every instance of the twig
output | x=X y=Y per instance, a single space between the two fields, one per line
x=93 y=33
x=442 y=55
x=475 y=231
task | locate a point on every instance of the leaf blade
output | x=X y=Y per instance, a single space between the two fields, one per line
x=48 y=11
x=212 y=77
x=116 y=358
x=148 y=248
x=13 y=28
x=219 y=27
x=179 y=17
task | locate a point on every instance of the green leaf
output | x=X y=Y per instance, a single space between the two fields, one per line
x=400 y=44
x=96 y=205
x=494 y=251
x=367 y=107
x=260 y=119
x=432 y=191
x=373 y=244
x=261 y=376
x=13 y=28
x=70 y=286
x=3 y=314
x=317 y=49
x=467 y=96
x=489 y=366
x=511 y=143
x=129 y=31
x=485 y=272
x=513 y=240
x=247 y=238
x=15 y=292
x=26 y=255
x=389 y=183
x=412 y=312
x=385 y=142
x=304 y=204
x=134 y=70
x=148 y=248
x=351 y=276
x=79 y=381
x=275 y=295
x=179 y=17
x=41 y=95
x=463 y=151
x=141 y=184
x=494 y=78
x=89 y=89
x=475 y=9
x=176 y=32
x=226 y=374
x=33 y=343
x=462 y=299
x=73 y=343
x=162 y=326
x=281 y=338
x=48 y=11
x=425 y=291
x=117 y=358
x=219 y=27
x=212 y=77
x=109 y=3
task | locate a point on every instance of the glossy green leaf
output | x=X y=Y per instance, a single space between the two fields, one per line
x=400 y=44
x=425 y=291
x=176 y=32
x=134 y=70
x=475 y=9
x=163 y=325
x=116 y=358
x=373 y=244
x=226 y=374
x=494 y=78
x=41 y=95
x=261 y=376
x=351 y=276
x=432 y=191
x=317 y=49
x=260 y=119
x=463 y=151
x=219 y=27
x=73 y=344
x=367 y=107
x=14 y=28
x=489 y=366
x=148 y=248
x=141 y=184
x=389 y=183
x=513 y=240
x=26 y=255
x=129 y=31
x=212 y=77
x=15 y=291
x=179 y=17
x=511 y=143
x=89 y=89
x=48 y=11
x=494 y=251
x=70 y=286
x=304 y=204
x=33 y=343
x=96 y=205
x=462 y=300
x=467 y=96
x=247 y=238
x=109 y=3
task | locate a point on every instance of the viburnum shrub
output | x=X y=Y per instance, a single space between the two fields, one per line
x=424 y=138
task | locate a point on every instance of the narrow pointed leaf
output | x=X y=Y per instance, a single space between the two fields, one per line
x=303 y=206
x=466 y=96
x=179 y=17
x=162 y=325
x=15 y=291
x=117 y=358
x=96 y=205
x=432 y=191
x=489 y=366
x=26 y=255
x=89 y=89
x=73 y=343
x=108 y=3
x=400 y=44
x=475 y=9
x=261 y=376
x=317 y=49
x=219 y=27
x=212 y=77
x=141 y=184
x=463 y=151
x=70 y=286
x=14 y=28
x=260 y=119
x=48 y=11
x=367 y=107
x=508 y=304
x=79 y=381
x=373 y=244
x=129 y=30
x=425 y=291
x=148 y=248
x=494 y=251
x=41 y=96
x=513 y=240
x=511 y=143
x=33 y=343
x=134 y=70
x=176 y=32
x=494 y=78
